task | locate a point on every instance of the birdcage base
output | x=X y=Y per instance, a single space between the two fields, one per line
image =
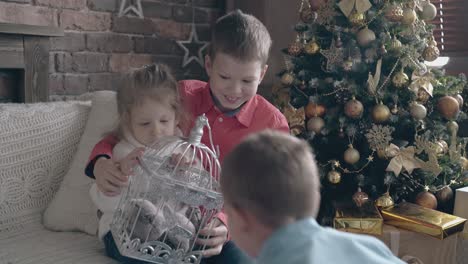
x=157 y=252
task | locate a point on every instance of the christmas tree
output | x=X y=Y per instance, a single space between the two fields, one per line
x=382 y=125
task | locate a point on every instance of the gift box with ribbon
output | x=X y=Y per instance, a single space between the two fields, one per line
x=364 y=219
x=423 y=220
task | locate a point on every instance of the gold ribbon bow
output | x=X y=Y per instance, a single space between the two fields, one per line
x=361 y=6
x=422 y=80
x=296 y=118
x=404 y=160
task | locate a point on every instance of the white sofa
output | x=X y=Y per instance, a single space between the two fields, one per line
x=45 y=212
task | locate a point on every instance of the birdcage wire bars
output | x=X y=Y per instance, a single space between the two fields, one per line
x=173 y=194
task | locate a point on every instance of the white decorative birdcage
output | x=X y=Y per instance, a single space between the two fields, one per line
x=173 y=194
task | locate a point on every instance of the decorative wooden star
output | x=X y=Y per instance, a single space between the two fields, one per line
x=334 y=56
x=192 y=46
x=133 y=8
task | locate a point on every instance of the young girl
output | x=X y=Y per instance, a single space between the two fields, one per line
x=149 y=108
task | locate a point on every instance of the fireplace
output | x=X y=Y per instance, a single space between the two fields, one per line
x=10 y=81
x=24 y=62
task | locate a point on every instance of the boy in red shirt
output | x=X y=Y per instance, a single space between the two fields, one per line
x=236 y=64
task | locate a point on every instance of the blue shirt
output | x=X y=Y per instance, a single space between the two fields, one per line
x=306 y=242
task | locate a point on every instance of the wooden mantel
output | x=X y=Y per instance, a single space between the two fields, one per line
x=26 y=47
x=30 y=30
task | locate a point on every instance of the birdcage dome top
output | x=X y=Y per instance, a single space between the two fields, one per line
x=185 y=171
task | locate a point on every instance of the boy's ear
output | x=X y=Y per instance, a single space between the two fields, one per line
x=264 y=70
x=208 y=65
x=245 y=219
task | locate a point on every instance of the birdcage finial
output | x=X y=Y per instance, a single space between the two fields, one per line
x=197 y=131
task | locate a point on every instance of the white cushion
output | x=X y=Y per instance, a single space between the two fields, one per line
x=72 y=208
x=37 y=143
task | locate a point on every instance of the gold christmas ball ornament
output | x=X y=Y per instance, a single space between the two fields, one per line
x=394 y=13
x=381 y=154
x=432 y=42
x=400 y=79
x=384 y=201
x=307 y=16
x=426 y=199
x=315 y=124
x=423 y=96
x=409 y=16
x=353 y=109
x=429 y=12
x=395 y=45
x=444 y=195
x=312 y=47
x=365 y=37
x=295 y=48
x=443 y=145
x=439 y=149
x=387 y=153
x=380 y=113
x=394 y=109
x=360 y=197
x=431 y=53
x=448 y=107
x=391 y=152
x=464 y=163
x=287 y=78
x=314 y=109
x=418 y=111
x=351 y=155
x=348 y=65
x=460 y=100
x=334 y=177
x=357 y=19
x=452 y=126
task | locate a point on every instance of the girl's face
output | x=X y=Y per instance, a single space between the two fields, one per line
x=151 y=120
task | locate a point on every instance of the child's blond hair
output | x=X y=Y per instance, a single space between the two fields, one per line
x=241 y=36
x=154 y=81
x=274 y=176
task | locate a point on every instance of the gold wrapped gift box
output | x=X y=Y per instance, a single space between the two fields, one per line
x=363 y=220
x=423 y=220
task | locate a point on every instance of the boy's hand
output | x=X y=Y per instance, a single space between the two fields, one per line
x=111 y=176
x=217 y=233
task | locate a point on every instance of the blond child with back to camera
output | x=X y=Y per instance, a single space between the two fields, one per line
x=271 y=190
x=235 y=64
x=149 y=108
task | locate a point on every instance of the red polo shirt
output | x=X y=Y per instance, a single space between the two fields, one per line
x=255 y=115
x=227 y=130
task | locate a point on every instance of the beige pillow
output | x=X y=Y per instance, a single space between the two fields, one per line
x=72 y=209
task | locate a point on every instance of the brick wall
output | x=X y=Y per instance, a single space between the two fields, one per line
x=98 y=45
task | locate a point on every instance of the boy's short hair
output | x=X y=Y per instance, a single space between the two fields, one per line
x=274 y=176
x=241 y=36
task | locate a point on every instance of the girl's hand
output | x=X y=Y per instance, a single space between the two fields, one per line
x=112 y=176
x=217 y=233
x=126 y=164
